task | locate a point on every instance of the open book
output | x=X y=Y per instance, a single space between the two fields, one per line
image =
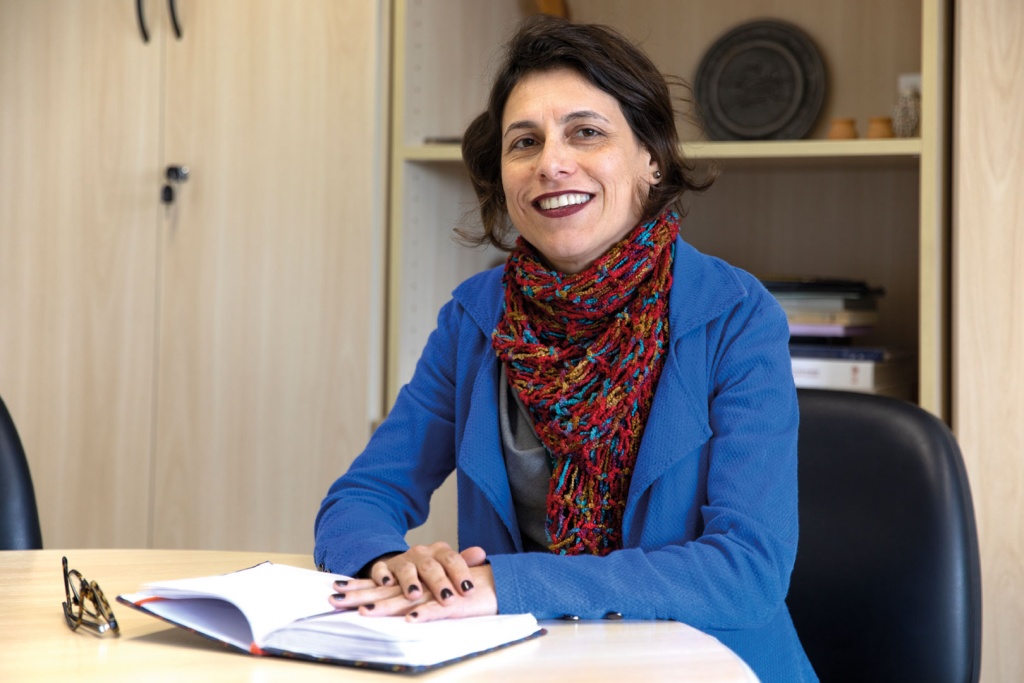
x=274 y=609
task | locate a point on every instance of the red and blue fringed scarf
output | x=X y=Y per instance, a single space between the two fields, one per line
x=584 y=353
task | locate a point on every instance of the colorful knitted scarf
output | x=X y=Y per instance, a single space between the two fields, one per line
x=584 y=352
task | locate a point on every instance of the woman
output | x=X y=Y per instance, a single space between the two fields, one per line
x=619 y=408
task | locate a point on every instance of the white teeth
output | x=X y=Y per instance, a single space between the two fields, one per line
x=563 y=200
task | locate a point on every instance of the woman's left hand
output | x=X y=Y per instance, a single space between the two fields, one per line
x=382 y=601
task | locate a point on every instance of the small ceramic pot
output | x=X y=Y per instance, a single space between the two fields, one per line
x=842 y=129
x=880 y=127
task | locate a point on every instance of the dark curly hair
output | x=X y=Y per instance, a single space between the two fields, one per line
x=611 y=63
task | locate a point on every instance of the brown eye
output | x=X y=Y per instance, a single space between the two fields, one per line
x=524 y=143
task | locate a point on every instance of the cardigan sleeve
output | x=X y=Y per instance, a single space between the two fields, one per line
x=387 y=489
x=734 y=573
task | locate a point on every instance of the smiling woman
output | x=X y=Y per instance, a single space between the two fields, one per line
x=574 y=174
x=618 y=408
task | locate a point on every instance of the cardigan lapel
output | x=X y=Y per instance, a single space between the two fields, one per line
x=480 y=456
x=703 y=289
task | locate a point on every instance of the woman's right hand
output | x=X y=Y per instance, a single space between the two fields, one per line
x=436 y=568
x=398 y=582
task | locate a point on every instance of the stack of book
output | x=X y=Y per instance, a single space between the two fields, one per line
x=826 y=316
x=825 y=311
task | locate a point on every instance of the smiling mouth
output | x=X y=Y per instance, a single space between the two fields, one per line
x=563 y=200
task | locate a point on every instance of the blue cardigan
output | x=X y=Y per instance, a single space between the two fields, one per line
x=710 y=526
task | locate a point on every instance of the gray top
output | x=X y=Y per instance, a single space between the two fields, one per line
x=528 y=464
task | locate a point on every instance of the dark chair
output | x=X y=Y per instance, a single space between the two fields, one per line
x=19 y=517
x=887 y=582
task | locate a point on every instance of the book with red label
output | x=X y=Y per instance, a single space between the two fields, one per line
x=893 y=377
x=278 y=610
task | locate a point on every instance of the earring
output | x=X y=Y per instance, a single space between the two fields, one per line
x=657 y=175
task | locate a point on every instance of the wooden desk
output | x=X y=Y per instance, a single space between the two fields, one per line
x=36 y=645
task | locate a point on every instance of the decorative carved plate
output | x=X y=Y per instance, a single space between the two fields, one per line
x=761 y=81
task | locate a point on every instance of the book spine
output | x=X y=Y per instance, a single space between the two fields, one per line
x=832 y=317
x=802 y=330
x=820 y=373
x=826 y=304
x=871 y=353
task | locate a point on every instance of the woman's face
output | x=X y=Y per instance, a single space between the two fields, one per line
x=571 y=168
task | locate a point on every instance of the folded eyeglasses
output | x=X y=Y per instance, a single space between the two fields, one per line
x=86 y=606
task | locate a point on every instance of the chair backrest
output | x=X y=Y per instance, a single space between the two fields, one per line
x=19 y=517
x=887 y=582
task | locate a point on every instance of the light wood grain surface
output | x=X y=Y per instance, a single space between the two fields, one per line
x=267 y=315
x=79 y=144
x=988 y=315
x=193 y=375
x=36 y=644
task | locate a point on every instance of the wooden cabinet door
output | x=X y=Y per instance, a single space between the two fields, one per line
x=79 y=115
x=270 y=278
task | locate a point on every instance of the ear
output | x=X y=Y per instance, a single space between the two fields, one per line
x=655 y=172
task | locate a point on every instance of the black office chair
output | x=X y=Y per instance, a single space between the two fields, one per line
x=19 y=517
x=887 y=582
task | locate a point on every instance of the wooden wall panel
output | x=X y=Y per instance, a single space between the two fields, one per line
x=79 y=140
x=988 y=315
x=271 y=261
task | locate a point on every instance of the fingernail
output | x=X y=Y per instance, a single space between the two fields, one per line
x=338 y=596
x=369 y=606
x=340 y=582
x=385 y=581
x=414 y=615
x=445 y=594
x=413 y=589
x=467 y=585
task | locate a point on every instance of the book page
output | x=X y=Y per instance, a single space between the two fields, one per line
x=209 y=616
x=269 y=595
x=393 y=640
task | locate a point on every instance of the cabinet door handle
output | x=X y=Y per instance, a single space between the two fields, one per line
x=142 y=21
x=175 y=175
x=172 y=8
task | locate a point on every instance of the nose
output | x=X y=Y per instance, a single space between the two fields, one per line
x=556 y=159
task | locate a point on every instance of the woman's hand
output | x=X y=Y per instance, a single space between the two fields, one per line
x=423 y=583
x=435 y=568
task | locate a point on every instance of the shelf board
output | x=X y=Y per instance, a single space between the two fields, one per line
x=804 y=149
x=771 y=150
x=446 y=152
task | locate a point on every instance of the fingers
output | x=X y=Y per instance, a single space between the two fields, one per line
x=381 y=573
x=427 y=571
x=482 y=601
x=356 y=593
x=474 y=556
x=434 y=575
x=436 y=570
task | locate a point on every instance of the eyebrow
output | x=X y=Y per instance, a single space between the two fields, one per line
x=571 y=116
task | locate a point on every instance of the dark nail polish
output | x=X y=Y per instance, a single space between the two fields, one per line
x=338 y=596
x=385 y=581
x=369 y=606
x=446 y=593
x=414 y=615
x=413 y=589
x=467 y=585
x=340 y=583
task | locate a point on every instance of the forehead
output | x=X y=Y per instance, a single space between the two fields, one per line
x=557 y=92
